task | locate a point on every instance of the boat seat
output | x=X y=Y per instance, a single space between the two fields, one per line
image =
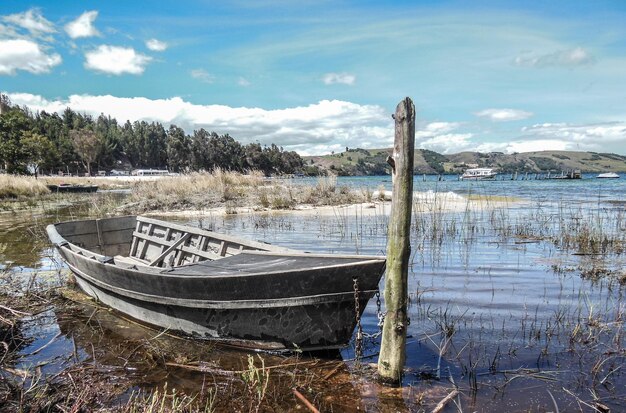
x=130 y=260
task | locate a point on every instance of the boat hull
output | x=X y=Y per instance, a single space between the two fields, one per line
x=305 y=308
x=308 y=327
x=608 y=175
x=478 y=178
x=73 y=188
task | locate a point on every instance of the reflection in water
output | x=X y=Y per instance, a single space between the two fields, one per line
x=510 y=321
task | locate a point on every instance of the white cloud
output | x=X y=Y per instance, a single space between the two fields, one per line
x=313 y=129
x=243 y=82
x=448 y=143
x=21 y=54
x=339 y=78
x=202 y=75
x=592 y=134
x=539 y=145
x=116 y=60
x=31 y=20
x=156 y=45
x=604 y=137
x=503 y=115
x=83 y=25
x=567 y=58
x=437 y=136
x=8 y=32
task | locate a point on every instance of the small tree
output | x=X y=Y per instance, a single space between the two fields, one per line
x=37 y=150
x=87 y=145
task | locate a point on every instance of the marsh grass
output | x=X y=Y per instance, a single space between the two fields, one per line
x=19 y=187
x=167 y=401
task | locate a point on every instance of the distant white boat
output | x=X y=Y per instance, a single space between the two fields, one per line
x=608 y=175
x=479 y=174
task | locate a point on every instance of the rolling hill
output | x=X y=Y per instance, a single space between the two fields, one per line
x=373 y=162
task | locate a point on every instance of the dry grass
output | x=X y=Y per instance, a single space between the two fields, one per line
x=14 y=186
x=200 y=190
x=195 y=189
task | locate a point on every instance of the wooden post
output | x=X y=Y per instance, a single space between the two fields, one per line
x=392 y=351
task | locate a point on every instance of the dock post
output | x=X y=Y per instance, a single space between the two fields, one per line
x=393 y=345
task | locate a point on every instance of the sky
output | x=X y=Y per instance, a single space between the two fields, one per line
x=318 y=76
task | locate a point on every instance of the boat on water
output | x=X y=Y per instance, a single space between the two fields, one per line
x=608 y=175
x=72 y=188
x=478 y=174
x=211 y=285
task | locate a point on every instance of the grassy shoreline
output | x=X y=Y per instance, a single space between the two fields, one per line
x=228 y=192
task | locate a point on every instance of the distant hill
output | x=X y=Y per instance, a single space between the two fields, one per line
x=373 y=162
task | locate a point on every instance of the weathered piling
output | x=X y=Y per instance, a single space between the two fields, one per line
x=392 y=351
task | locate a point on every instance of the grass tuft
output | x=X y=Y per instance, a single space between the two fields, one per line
x=14 y=186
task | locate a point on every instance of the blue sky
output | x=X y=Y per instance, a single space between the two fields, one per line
x=317 y=76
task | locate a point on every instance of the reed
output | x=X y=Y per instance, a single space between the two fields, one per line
x=167 y=401
x=17 y=187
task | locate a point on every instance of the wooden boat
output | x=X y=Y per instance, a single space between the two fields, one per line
x=217 y=286
x=479 y=174
x=72 y=188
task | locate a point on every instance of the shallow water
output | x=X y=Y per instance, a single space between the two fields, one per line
x=508 y=319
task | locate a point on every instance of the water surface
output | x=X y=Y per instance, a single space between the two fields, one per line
x=511 y=317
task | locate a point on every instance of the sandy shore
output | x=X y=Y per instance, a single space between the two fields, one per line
x=424 y=202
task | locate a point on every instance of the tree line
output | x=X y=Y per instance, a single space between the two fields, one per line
x=76 y=142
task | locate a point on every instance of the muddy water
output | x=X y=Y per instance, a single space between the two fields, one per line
x=515 y=323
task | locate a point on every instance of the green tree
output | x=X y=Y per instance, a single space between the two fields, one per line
x=13 y=123
x=178 y=148
x=38 y=150
x=109 y=135
x=257 y=159
x=156 y=145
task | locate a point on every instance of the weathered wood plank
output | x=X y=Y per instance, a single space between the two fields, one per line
x=169 y=249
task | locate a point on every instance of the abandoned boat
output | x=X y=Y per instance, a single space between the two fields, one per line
x=211 y=285
x=72 y=188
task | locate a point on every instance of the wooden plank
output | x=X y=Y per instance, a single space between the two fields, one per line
x=117 y=224
x=170 y=249
x=144 y=247
x=118 y=237
x=135 y=242
x=99 y=231
x=89 y=226
x=223 y=249
x=204 y=240
x=129 y=260
x=204 y=254
x=85 y=240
